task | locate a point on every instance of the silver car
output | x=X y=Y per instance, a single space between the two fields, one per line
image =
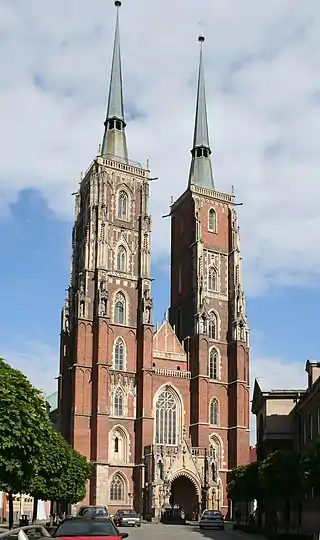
x=129 y=518
x=211 y=519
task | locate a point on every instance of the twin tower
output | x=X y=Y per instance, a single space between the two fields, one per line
x=130 y=397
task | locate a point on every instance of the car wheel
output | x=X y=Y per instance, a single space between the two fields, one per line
x=139 y=525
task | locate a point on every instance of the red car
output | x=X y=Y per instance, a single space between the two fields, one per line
x=85 y=528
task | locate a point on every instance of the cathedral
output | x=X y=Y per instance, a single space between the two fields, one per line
x=161 y=412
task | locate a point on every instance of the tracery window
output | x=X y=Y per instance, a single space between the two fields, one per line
x=121 y=259
x=212 y=279
x=212 y=220
x=213 y=326
x=122 y=205
x=214 y=412
x=167 y=418
x=117 y=489
x=120 y=309
x=119 y=352
x=118 y=403
x=214 y=364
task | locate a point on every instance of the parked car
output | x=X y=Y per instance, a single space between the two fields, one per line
x=80 y=527
x=93 y=511
x=127 y=517
x=211 y=519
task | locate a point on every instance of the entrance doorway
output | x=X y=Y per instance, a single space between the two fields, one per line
x=184 y=496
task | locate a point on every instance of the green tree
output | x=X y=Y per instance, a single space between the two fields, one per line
x=310 y=466
x=62 y=473
x=24 y=425
x=281 y=480
x=244 y=483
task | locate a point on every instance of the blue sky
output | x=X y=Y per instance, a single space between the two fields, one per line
x=262 y=69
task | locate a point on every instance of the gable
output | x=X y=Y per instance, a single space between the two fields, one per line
x=166 y=344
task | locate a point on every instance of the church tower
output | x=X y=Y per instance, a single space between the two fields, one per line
x=207 y=302
x=106 y=328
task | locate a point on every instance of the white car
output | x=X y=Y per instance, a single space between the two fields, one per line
x=211 y=519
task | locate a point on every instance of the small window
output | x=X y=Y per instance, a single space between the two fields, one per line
x=213 y=326
x=118 y=403
x=212 y=220
x=119 y=355
x=214 y=412
x=120 y=309
x=212 y=279
x=180 y=279
x=116 y=444
x=117 y=489
x=121 y=259
x=122 y=206
x=213 y=365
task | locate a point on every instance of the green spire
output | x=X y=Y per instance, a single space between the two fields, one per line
x=114 y=141
x=201 y=169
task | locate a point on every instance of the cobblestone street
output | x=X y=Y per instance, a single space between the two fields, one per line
x=181 y=532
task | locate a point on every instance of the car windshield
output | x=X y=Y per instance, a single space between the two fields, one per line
x=86 y=527
x=212 y=514
x=127 y=513
x=94 y=512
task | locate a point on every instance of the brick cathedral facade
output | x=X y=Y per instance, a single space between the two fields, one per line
x=163 y=414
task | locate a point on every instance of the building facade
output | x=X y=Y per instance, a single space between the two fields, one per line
x=163 y=414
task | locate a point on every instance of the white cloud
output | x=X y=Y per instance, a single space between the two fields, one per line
x=262 y=72
x=38 y=361
x=274 y=373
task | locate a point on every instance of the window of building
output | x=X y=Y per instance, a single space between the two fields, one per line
x=214 y=364
x=167 y=418
x=122 y=205
x=212 y=220
x=121 y=259
x=212 y=279
x=214 y=412
x=116 y=444
x=213 y=326
x=180 y=279
x=120 y=309
x=310 y=422
x=119 y=351
x=117 y=489
x=118 y=403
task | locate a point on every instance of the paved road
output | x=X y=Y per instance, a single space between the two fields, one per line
x=180 y=532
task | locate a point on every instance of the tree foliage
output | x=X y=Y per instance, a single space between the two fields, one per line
x=24 y=427
x=62 y=473
x=310 y=465
x=280 y=474
x=244 y=483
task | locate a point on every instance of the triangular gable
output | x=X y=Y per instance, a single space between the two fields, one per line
x=166 y=344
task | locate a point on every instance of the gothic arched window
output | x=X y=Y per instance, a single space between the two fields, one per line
x=120 y=309
x=212 y=279
x=121 y=259
x=122 y=205
x=214 y=364
x=117 y=489
x=118 y=403
x=167 y=417
x=214 y=412
x=212 y=220
x=213 y=326
x=119 y=352
x=116 y=444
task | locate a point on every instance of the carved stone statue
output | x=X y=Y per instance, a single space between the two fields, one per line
x=147 y=306
x=103 y=299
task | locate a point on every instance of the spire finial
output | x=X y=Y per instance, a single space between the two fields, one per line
x=201 y=170
x=114 y=139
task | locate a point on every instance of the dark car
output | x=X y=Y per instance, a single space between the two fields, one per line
x=211 y=519
x=127 y=517
x=93 y=511
x=86 y=527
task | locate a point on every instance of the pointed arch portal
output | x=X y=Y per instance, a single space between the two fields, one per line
x=185 y=495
